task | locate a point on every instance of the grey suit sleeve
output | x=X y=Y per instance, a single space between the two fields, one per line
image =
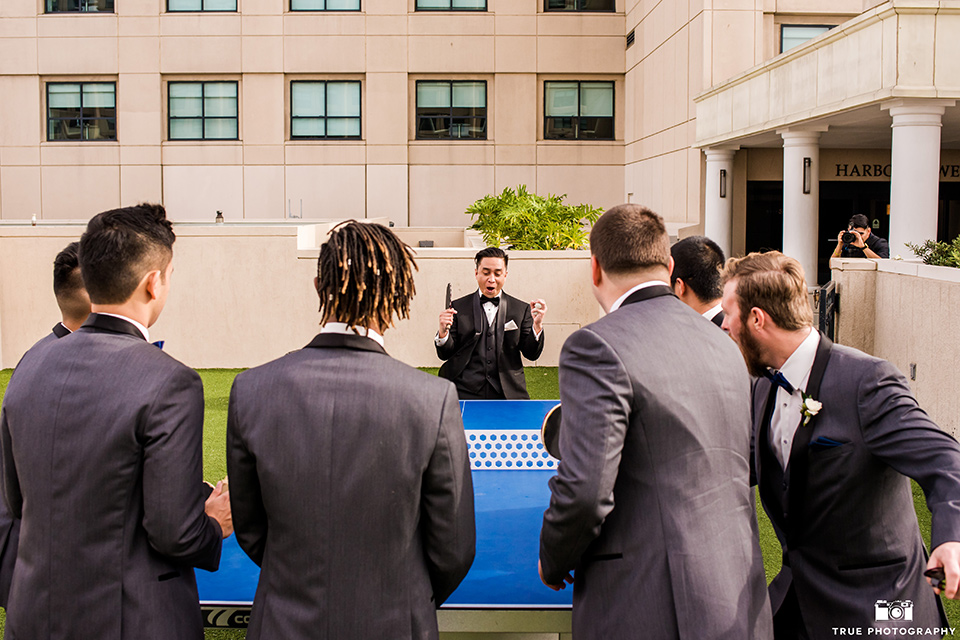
x=11 y=481
x=531 y=346
x=246 y=500
x=446 y=505
x=596 y=393
x=901 y=434
x=173 y=502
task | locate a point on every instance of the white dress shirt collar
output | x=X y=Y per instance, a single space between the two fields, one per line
x=484 y=298
x=342 y=328
x=797 y=367
x=710 y=314
x=642 y=285
x=788 y=410
x=143 y=329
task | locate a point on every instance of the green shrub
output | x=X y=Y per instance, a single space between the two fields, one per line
x=942 y=254
x=525 y=220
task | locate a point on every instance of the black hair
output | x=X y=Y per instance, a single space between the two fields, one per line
x=364 y=273
x=491 y=252
x=698 y=261
x=859 y=221
x=120 y=246
x=66 y=271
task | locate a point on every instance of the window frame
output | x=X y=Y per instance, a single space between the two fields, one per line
x=486 y=110
x=236 y=8
x=486 y=7
x=326 y=82
x=325 y=10
x=203 y=117
x=828 y=27
x=81 y=119
x=547 y=9
x=577 y=138
x=47 y=10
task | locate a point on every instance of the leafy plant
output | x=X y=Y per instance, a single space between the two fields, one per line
x=943 y=254
x=524 y=220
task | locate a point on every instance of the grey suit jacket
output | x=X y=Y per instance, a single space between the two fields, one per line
x=849 y=530
x=465 y=333
x=351 y=488
x=10 y=526
x=101 y=447
x=651 y=504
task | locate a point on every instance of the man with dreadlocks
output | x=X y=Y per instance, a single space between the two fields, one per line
x=349 y=474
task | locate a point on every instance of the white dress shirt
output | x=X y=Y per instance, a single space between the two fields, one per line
x=343 y=329
x=143 y=329
x=488 y=308
x=787 y=412
x=642 y=285
x=710 y=314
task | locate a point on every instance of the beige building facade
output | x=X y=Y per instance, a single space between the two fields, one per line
x=216 y=105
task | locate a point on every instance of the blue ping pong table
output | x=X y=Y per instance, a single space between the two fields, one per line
x=510 y=474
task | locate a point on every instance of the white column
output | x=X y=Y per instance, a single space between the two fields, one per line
x=718 y=200
x=915 y=172
x=801 y=211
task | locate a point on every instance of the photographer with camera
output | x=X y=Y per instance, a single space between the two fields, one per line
x=858 y=241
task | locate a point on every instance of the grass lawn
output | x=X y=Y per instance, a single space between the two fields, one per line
x=541 y=383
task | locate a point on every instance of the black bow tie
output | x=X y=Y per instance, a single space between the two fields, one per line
x=778 y=379
x=494 y=301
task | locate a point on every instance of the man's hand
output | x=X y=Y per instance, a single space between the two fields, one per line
x=858 y=239
x=446 y=319
x=538 y=308
x=567 y=579
x=947 y=555
x=217 y=507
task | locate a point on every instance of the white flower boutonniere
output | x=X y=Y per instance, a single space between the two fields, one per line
x=809 y=408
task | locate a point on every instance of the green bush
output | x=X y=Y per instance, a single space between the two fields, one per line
x=942 y=254
x=525 y=220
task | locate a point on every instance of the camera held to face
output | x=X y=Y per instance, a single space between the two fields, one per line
x=849 y=237
x=893 y=610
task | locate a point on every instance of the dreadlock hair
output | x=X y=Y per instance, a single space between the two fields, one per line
x=364 y=273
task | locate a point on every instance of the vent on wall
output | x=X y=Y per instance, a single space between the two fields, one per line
x=631 y=37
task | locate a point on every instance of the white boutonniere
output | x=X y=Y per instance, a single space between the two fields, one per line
x=809 y=407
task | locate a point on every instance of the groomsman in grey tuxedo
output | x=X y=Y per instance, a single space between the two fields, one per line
x=837 y=436
x=101 y=445
x=74 y=306
x=651 y=507
x=349 y=473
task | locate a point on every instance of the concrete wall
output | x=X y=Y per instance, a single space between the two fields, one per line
x=243 y=294
x=905 y=312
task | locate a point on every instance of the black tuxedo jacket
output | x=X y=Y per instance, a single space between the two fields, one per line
x=465 y=333
x=10 y=526
x=843 y=509
x=102 y=459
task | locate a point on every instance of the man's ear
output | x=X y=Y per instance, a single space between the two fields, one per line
x=758 y=319
x=596 y=273
x=151 y=283
x=670 y=265
x=679 y=287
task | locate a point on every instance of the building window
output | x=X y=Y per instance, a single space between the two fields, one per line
x=324 y=109
x=578 y=111
x=793 y=35
x=64 y=6
x=81 y=111
x=201 y=5
x=324 y=5
x=448 y=110
x=581 y=5
x=203 y=110
x=451 y=5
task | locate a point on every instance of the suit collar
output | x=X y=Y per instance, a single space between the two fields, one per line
x=345 y=341
x=645 y=291
x=60 y=330
x=102 y=323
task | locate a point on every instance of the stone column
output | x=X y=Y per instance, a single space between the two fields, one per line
x=801 y=211
x=915 y=172
x=718 y=199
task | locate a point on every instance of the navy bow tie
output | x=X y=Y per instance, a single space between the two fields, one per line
x=778 y=379
x=494 y=301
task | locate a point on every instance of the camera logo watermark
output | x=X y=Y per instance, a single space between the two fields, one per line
x=893 y=610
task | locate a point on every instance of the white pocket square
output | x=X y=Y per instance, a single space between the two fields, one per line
x=510 y=326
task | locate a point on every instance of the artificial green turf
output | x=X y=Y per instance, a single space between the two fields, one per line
x=542 y=383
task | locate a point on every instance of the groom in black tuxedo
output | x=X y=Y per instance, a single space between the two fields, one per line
x=482 y=335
